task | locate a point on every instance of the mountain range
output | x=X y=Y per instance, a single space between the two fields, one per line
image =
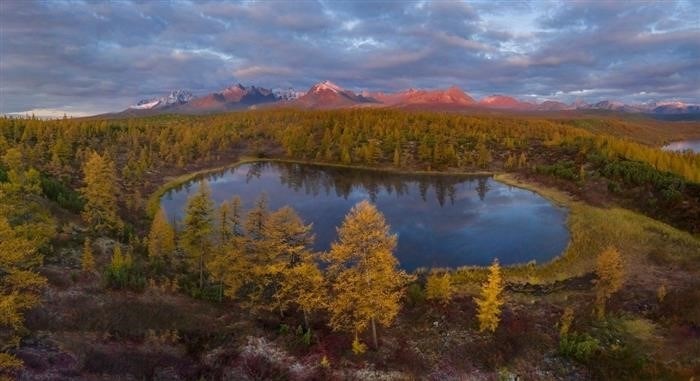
x=327 y=95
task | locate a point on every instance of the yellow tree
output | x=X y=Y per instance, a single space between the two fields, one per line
x=87 y=262
x=305 y=286
x=19 y=288
x=22 y=180
x=483 y=155
x=256 y=219
x=366 y=285
x=287 y=239
x=285 y=243
x=161 y=238
x=228 y=264
x=100 y=193
x=611 y=276
x=230 y=224
x=230 y=267
x=198 y=227
x=439 y=288
x=491 y=300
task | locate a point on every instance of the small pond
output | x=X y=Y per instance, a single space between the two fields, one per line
x=440 y=220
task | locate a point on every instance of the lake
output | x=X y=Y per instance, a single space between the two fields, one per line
x=693 y=145
x=440 y=220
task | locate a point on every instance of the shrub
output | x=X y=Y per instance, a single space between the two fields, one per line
x=121 y=273
x=60 y=193
x=415 y=295
x=566 y=319
x=358 y=347
x=579 y=347
x=566 y=170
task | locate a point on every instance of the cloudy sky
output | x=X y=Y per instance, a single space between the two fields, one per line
x=84 y=57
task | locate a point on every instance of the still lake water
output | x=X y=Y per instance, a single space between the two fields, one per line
x=693 y=145
x=440 y=220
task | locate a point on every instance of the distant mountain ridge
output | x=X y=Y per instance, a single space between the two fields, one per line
x=328 y=95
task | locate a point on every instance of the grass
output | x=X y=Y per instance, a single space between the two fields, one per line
x=592 y=229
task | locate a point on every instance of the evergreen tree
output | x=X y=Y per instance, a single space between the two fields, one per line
x=491 y=300
x=198 y=229
x=100 y=193
x=256 y=219
x=287 y=239
x=229 y=266
x=230 y=224
x=161 y=238
x=286 y=243
x=226 y=254
x=304 y=286
x=366 y=284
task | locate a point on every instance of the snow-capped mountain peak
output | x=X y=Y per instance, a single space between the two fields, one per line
x=175 y=97
x=145 y=104
x=288 y=94
x=326 y=86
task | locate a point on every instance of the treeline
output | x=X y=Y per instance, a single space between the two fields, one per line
x=367 y=137
x=143 y=150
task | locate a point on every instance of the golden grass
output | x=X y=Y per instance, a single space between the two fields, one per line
x=592 y=229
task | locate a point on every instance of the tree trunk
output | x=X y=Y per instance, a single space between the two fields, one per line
x=201 y=272
x=374 y=334
x=306 y=320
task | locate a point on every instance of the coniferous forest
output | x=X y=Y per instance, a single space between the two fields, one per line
x=239 y=292
x=361 y=190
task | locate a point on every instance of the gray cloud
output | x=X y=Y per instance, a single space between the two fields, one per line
x=95 y=57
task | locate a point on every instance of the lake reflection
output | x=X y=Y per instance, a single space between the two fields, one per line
x=440 y=220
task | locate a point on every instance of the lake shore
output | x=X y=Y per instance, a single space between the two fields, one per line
x=589 y=228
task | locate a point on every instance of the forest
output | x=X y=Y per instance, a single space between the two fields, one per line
x=76 y=215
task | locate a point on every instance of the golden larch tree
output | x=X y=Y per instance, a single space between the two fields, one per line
x=19 y=289
x=286 y=242
x=161 y=238
x=229 y=266
x=305 y=286
x=256 y=219
x=439 y=288
x=100 y=193
x=87 y=262
x=491 y=300
x=366 y=284
x=230 y=224
x=198 y=229
x=611 y=276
